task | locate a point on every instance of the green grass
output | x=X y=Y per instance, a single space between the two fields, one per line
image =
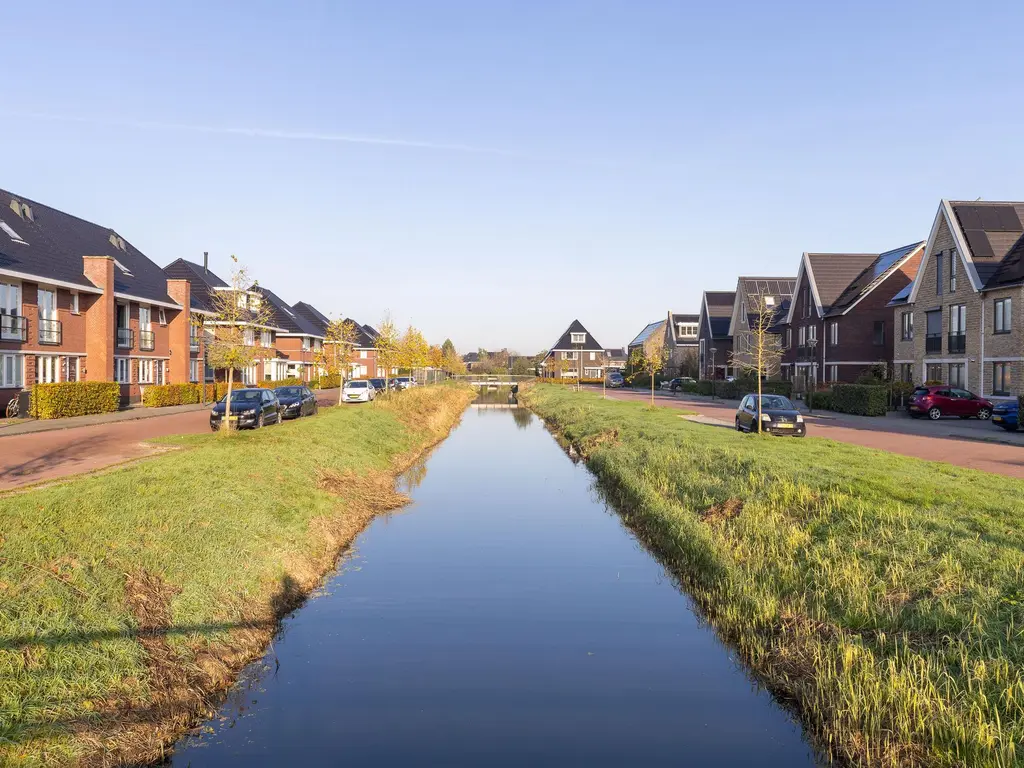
x=225 y=522
x=882 y=596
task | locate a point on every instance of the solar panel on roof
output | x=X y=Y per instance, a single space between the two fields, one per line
x=1009 y=219
x=978 y=241
x=969 y=216
x=990 y=218
x=885 y=262
x=904 y=293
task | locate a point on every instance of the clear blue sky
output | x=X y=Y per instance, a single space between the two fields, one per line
x=636 y=153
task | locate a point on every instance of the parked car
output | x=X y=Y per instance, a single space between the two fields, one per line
x=404 y=382
x=381 y=386
x=1004 y=415
x=296 y=401
x=614 y=380
x=358 y=391
x=677 y=383
x=251 y=407
x=944 y=400
x=777 y=414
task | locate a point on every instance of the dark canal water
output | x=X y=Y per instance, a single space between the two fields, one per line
x=505 y=618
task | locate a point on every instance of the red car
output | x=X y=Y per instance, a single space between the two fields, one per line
x=944 y=400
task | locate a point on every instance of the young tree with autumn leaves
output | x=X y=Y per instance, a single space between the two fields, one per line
x=387 y=345
x=335 y=357
x=239 y=314
x=650 y=358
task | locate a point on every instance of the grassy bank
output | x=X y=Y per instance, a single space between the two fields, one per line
x=128 y=598
x=882 y=596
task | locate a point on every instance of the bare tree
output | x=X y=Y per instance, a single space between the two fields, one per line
x=762 y=355
x=240 y=315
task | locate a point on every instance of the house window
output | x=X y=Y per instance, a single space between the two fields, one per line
x=938 y=273
x=12 y=325
x=249 y=337
x=266 y=339
x=933 y=332
x=10 y=371
x=49 y=326
x=69 y=369
x=161 y=315
x=145 y=371
x=787 y=338
x=363 y=354
x=249 y=375
x=833 y=333
x=1003 y=315
x=802 y=335
x=569 y=355
x=305 y=343
x=956 y=375
x=957 y=329
x=907 y=372
x=193 y=370
x=812 y=333
x=578 y=338
x=806 y=301
x=593 y=356
x=74 y=303
x=952 y=271
x=878 y=333
x=907 y=319
x=687 y=329
x=47 y=369
x=1002 y=379
x=832 y=373
x=122 y=370
x=933 y=373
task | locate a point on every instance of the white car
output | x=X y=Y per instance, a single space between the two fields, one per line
x=404 y=382
x=358 y=391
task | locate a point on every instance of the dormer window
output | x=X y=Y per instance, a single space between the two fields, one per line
x=11 y=233
x=578 y=338
x=127 y=272
x=769 y=301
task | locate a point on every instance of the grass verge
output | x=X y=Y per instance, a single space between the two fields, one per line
x=881 y=596
x=128 y=600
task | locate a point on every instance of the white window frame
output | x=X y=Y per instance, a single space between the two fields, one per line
x=569 y=355
x=75 y=304
x=833 y=373
x=802 y=336
x=364 y=354
x=306 y=344
x=833 y=333
x=1002 y=315
x=907 y=324
x=812 y=333
x=193 y=369
x=145 y=371
x=123 y=370
x=47 y=369
x=10 y=304
x=12 y=370
x=957 y=320
x=577 y=338
x=952 y=270
x=161 y=315
x=266 y=339
x=249 y=337
x=145 y=317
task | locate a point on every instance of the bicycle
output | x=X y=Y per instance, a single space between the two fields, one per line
x=12 y=409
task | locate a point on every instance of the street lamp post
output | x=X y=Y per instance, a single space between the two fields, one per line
x=713 y=372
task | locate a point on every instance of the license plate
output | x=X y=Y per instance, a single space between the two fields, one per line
x=997 y=418
x=784 y=426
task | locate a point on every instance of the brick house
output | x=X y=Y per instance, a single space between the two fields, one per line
x=78 y=302
x=776 y=293
x=714 y=344
x=205 y=285
x=681 y=343
x=642 y=340
x=578 y=354
x=838 y=324
x=957 y=323
x=364 y=355
x=297 y=347
x=616 y=359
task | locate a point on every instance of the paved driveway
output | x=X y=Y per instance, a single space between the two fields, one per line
x=954 y=441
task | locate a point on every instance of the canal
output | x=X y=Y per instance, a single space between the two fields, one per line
x=504 y=618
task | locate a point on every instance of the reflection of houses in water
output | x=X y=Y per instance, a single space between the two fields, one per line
x=496 y=397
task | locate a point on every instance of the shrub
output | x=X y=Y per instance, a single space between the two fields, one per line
x=776 y=388
x=691 y=386
x=860 y=399
x=218 y=390
x=705 y=387
x=330 y=381
x=163 y=395
x=292 y=381
x=74 y=398
x=822 y=400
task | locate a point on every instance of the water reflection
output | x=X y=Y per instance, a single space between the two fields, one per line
x=505 y=620
x=523 y=417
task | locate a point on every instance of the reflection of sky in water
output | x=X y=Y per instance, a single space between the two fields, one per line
x=504 y=619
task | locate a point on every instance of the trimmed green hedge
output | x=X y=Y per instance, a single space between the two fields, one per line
x=74 y=398
x=292 y=381
x=860 y=399
x=163 y=395
x=331 y=381
x=705 y=387
x=822 y=400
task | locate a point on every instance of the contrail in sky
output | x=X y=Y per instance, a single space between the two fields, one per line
x=266 y=133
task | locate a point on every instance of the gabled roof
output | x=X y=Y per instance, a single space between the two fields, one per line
x=312 y=315
x=203 y=282
x=564 y=343
x=366 y=336
x=471 y=357
x=988 y=238
x=649 y=330
x=676 y=319
x=50 y=245
x=717 y=307
x=750 y=291
x=617 y=353
x=828 y=275
x=283 y=316
x=873 y=276
x=901 y=297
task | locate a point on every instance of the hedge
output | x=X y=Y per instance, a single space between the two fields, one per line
x=822 y=400
x=860 y=399
x=74 y=398
x=163 y=395
x=705 y=387
x=292 y=381
x=330 y=381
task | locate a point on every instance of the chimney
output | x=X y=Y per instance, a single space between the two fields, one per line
x=179 y=331
x=206 y=262
x=100 y=319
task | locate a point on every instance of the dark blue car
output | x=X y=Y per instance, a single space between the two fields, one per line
x=1005 y=415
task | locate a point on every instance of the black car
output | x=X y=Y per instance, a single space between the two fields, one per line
x=378 y=384
x=252 y=408
x=296 y=401
x=778 y=416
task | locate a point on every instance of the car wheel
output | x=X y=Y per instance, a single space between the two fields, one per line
x=738 y=427
x=316 y=409
x=984 y=414
x=259 y=421
x=934 y=413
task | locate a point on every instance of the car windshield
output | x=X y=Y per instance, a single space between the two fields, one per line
x=377 y=382
x=776 y=403
x=921 y=391
x=244 y=396
x=289 y=391
x=356 y=385
x=402 y=378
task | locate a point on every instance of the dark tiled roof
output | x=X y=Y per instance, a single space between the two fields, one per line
x=564 y=341
x=833 y=273
x=285 y=317
x=312 y=315
x=365 y=335
x=617 y=353
x=471 y=357
x=878 y=270
x=719 y=327
x=54 y=243
x=1010 y=271
x=685 y=318
x=719 y=306
x=370 y=330
x=991 y=229
x=203 y=282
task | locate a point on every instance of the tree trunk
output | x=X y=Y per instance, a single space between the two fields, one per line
x=226 y=423
x=760 y=361
x=652 y=387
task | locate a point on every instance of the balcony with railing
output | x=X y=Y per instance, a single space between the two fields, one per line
x=125 y=338
x=147 y=341
x=50 y=332
x=957 y=343
x=13 y=328
x=933 y=344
